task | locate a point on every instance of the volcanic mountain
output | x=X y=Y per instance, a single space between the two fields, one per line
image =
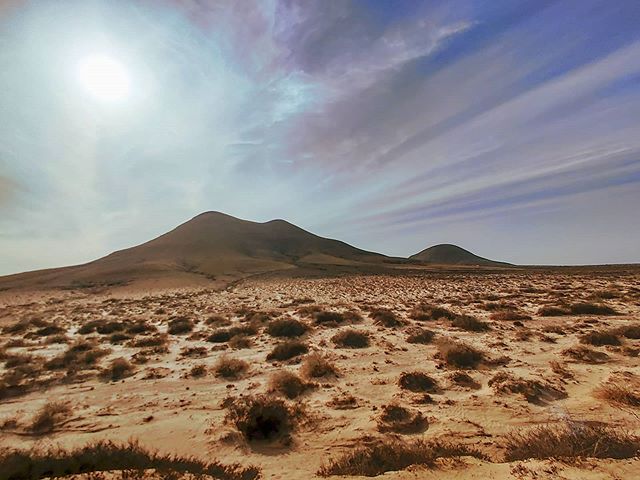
x=211 y=246
x=447 y=254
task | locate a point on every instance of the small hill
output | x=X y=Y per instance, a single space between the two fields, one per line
x=210 y=246
x=446 y=254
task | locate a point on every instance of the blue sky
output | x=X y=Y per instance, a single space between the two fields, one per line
x=511 y=128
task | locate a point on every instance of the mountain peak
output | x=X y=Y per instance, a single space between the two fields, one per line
x=449 y=254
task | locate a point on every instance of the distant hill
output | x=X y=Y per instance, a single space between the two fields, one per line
x=446 y=254
x=211 y=246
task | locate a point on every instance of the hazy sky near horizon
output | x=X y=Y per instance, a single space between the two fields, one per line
x=508 y=127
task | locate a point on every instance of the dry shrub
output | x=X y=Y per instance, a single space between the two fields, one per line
x=552 y=311
x=287 y=327
x=600 y=338
x=118 y=369
x=424 y=311
x=140 y=327
x=584 y=354
x=230 y=368
x=351 y=338
x=534 y=391
x=561 y=370
x=397 y=419
x=180 y=325
x=343 y=401
x=460 y=355
x=263 y=418
x=333 y=319
x=49 y=417
x=420 y=335
x=469 y=323
x=386 y=318
x=48 y=330
x=317 y=366
x=288 y=384
x=463 y=379
x=287 y=350
x=570 y=440
x=587 y=308
x=222 y=335
x=622 y=390
x=78 y=356
x=630 y=331
x=509 y=315
x=217 y=321
x=193 y=352
x=240 y=342
x=391 y=455
x=198 y=371
x=106 y=456
x=418 y=382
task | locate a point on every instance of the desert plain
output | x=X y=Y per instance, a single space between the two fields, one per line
x=521 y=373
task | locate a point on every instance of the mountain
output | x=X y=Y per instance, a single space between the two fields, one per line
x=211 y=246
x=446 y=254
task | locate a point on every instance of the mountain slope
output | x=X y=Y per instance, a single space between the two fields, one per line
x=210 y=246
x=446 y=254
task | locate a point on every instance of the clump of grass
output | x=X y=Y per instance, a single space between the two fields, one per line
x=534 y=391
x=469 y=323
x=571 y=440
x=460 y=355
x=397 y=419
x=343 y=402
x=317 y=366
x=263 y=418
x=198 y=371
x=630 y=331
x=180 y=325
x=552 y=311
x=509 y=315
x=217 y=321
x=620 y=391
x=600 y=338
x=287 y=350
x=425 y=311
x=333 y=319
x=586 y=308
x=230 y=368
x=391 y=455
x=463 y=379
x=78 y=356
x=351 y=338
x=49 y=417
x=288 y=384
x=193 y=352
x=287 y=327
x=107 y=456
x=420 y=335
x=386 y=318
x=240 y=342
x=222 y=335
x=118 y=369
x=561 y=370
x=584 y=354
x=418 y=382
x=160 y=340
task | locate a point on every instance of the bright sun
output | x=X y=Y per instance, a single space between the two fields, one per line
x=104 y=77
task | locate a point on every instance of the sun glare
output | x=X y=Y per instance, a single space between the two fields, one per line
x=104 y=77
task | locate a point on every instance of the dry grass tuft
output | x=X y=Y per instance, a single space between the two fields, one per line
x=571 y=440
x=534 y=391
x=386 y=318
x=391 y=455
x=420 y=335
x=230 y=368
x=118 y=369
x=288 y=384
x=351 y=338
x=317 y=366
x=49 y=417
x=262 y=418
x=397 y=419
x=584 y=354
x=418 y=382
x=600 y=338
x=460 y=355
x=287 y=327
x=424 y=311
x=288 y=350
x=180 y=325
x=469 y=323
x=107 y=456
x=509 y=315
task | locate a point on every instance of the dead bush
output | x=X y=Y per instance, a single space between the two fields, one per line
x=391 y=455
x=586 y=308
x=584 y=354
x=551 y=311
x=118 y=369
x=287 y=327
x=263 y=418
x=180 y=325
x=317 y=366
x=287 y=350
x=230 y=368
x=105 y=456
x=222 y=335
x=630 y=331
x=288 y=384
x=509 y=315
x=463 y=379
x=534 y=391
x=600 y=338
x=198 y=371
x=420 y=335
x=386 y=318
x=460 y=355
x=570 y=440
x=397 y=419
x=620 y=390
x=49 y=417
x=469 y=323
x=218 y=321
x=240 y=342
x=417 y=382
x=424 y=311
x=351 y=338
x=333 y=319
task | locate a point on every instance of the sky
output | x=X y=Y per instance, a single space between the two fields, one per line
x=508 y=127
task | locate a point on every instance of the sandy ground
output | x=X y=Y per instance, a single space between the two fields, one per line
x=165 y=407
